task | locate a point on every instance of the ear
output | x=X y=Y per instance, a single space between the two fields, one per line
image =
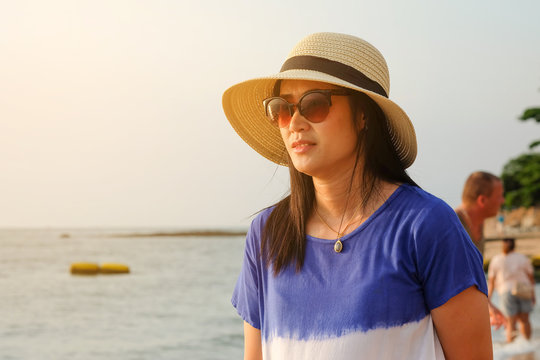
x=360 y=121
x=481 y=201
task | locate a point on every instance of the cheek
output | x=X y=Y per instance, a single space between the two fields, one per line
x=342 y=141
x=284 y=135
x=348 y=135
x=352 y=140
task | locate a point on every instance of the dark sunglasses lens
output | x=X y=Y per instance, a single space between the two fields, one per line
x=278 y=112
x=315 y=107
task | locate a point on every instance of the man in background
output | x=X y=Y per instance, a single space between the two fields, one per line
x=481 y=199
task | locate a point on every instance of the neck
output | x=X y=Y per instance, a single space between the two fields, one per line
x=341 y=209
x=337 y=196
x=475 y=219
x=474 y=213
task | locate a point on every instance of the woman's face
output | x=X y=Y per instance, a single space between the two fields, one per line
x=320 y=149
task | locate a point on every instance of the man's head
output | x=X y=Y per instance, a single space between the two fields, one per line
x=509 y=244
x=484 y=191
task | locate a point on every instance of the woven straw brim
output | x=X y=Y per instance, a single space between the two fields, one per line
x=243 y=106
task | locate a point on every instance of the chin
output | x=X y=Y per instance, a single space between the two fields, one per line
x=304 y=167
x=304 y=170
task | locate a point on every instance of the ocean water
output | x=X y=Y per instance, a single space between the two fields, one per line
x=175 y=303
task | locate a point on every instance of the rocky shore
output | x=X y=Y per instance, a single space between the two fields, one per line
x=522 y=224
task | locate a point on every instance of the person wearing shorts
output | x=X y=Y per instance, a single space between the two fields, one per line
x=513 y=305
x=511 y=274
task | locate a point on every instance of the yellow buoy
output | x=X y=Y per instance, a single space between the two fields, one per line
x=110 y=268
x=84 y=269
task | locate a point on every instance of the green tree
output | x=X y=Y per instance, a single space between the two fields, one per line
x=521 y=178
x=534 y=114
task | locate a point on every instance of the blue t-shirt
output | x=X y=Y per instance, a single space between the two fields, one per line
x=371 y=300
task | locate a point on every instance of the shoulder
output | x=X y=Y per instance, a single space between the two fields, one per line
x=261 y=217
x=514 y=255
x=496 y=260
x=259 y=221
x=497 y=257
x=416 y=196
x=521 y=257
x=434 y=228
x=426 y=209
x=462 y=216
x=255 y=232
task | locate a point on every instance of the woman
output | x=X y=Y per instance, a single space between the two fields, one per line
x=358 y=261
x=512 y=275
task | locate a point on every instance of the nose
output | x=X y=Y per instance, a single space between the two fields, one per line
x=298 y=122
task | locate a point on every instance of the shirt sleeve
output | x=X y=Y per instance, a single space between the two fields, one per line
x=447 y=260
x=245 y=296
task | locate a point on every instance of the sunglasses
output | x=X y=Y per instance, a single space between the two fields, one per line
x=314 y=105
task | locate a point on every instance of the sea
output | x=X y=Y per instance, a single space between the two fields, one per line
x=174 y=303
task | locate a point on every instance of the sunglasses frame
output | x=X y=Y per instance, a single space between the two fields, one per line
x=328 y=93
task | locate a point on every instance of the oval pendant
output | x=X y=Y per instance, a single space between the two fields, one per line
x=338 y=246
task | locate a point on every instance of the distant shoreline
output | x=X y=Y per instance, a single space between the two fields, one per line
x=186 y=233
x=515 y=235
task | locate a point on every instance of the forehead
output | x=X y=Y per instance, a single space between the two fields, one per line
x=295 y=88
x=497 y=186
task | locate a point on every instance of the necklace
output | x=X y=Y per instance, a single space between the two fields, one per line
x=338 y=245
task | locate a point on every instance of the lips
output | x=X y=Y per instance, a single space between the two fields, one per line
x=301 y=146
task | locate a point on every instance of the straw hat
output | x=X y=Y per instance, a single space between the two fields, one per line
x=337 y=59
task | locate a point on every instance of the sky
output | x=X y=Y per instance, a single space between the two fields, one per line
x=110 y=111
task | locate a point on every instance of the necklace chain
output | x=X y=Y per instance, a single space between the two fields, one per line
x=338 y=245
x=339 y=233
